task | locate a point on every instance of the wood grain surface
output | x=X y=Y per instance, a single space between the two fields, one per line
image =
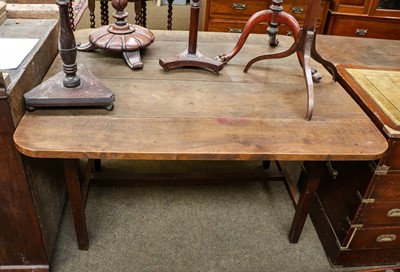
x=195 y=115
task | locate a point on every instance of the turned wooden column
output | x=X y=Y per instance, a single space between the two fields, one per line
x=190 y=57
x=69 y=88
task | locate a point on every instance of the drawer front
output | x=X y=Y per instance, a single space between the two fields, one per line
x=364 y=27
x=238 y=12
x=234 y=26
x=237 y=8
x=379 y=214
x=385 y=187
x=392 y=157
x=298 y=8
x=237 y=27
x=375 y=238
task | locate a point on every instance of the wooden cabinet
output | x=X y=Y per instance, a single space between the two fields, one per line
x=232 y=15
x=32 y=192
x=355 y=228
x=364 y=18
x=357 y=212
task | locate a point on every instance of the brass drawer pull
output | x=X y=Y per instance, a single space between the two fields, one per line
x=239 y=6
x=393 y=213
x=298 y=10
x=235 y=30
x=386 y=238
x=361 y=32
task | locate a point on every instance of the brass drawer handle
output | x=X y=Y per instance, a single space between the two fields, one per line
x=239 y=6
x=393 y=213
x=361 y=32
x=386 y=238
x=297 y=10
x=235 y=30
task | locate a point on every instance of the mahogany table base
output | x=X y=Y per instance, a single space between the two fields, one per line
x=129 y=41
x=191 y=57
x=121 y=37
x=51 y=93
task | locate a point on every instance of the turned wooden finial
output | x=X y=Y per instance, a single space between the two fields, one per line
x=67 y=47
x=120 y=14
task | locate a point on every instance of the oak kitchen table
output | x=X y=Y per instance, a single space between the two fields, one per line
x=191 y=114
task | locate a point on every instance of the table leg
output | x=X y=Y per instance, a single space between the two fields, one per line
x=314 y=174
x=91 y=5
x=140 y=12
x=71 y=15
x=169 y=16
x=77 y=202
x=104 y=12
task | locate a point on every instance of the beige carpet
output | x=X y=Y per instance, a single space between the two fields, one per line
x=189 y=226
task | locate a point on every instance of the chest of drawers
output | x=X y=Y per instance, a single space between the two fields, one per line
x=358 y=26
x=357 y=208
x=364 y=18
x=232 y=15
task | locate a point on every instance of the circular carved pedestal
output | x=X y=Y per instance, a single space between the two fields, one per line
x=121 y=37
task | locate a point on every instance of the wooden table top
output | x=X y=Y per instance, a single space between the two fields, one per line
x=189 y=114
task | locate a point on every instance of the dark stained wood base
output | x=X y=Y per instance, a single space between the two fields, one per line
x=191 y=57
x=186 y=59
x=52 y=93
x=129 y=42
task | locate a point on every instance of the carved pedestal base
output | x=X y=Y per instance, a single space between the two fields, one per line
x=121 y=37
x=128 y=41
